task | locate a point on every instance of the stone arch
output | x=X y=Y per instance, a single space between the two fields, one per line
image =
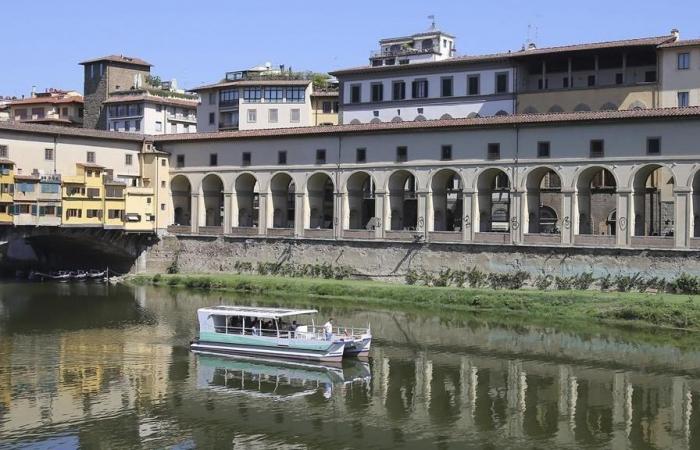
x=181 y=192
x=360 y=209
x=376 y=120
x=420 y=118
x=446 y=117
x=403 y=202
x=211 y=211
x=397 y=119
x=502 y=112
x=543 y=187
x=530 y=110
x=596 y=195
x=609 y=106
x=493 y=200
x=320 y=200
x=555 y=109
x=355 y=122
x=282 y=210
x=246 y=198
x=582 y=107
x=446 y=195
x=637 y=104
x=653 y=205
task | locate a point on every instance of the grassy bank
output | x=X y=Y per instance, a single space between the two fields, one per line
x=660 y=310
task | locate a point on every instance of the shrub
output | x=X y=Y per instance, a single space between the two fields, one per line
x=513 y=280
x=156 y=278
x=174 y=267
x=625 y=283
x=476 y=278
x=564 y=283
x=606 y=282
x=543 y=282
x=459 y=277
x=411 y=277
x=583 y=281
x=443 y=278
x=686 y=284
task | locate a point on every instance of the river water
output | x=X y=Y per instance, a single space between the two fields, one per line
x=96 y=366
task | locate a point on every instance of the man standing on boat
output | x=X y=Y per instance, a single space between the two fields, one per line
x=328 y=329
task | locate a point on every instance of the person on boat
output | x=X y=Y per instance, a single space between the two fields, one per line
x=293 y=328
x=328 y=329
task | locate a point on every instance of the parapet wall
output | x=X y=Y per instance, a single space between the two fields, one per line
x=391 y=260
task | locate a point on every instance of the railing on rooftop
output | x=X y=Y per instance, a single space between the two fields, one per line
x=406 y=51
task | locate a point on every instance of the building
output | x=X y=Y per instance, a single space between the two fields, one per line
x=433 y=45
x=325 y=106
x=151 y=111
x=7 y=188
x=102 y=76
x=258 y=98
x=53 y=107
x=615 y=75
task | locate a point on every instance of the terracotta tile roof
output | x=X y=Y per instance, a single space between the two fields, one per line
x=54 y=130
x=641 y=42
x=6 y=161
x=27 y=177
x=685 y=43
x=47 y=100
x=253 y=83
x=90 y=165
x=442 y=124
x=120 y=59
x=170 y=101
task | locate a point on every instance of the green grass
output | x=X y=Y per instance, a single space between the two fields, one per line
x=670 y=311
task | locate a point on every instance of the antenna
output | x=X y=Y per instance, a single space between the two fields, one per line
x=432 y=19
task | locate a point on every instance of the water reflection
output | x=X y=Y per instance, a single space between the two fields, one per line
x=110 y=368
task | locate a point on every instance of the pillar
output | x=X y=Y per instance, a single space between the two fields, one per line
x=338 y=206
x=227 y=213
x=568 y=216
x=380 y=200
x=299 y=214
x=422 y=211
x=624 y=68
x=516 y=217
x=194 y=212
x=263 y=201
x=625 y=219
x=468 y=205
x=596 y=63
x=569 y=73
x=683 y=229
x=544 y=75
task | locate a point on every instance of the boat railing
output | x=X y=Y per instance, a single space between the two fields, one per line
x=311 y=332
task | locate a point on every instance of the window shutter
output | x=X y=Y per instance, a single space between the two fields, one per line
x=414 y=89
x=58 y=211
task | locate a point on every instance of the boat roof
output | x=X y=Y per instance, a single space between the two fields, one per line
x=255 y=311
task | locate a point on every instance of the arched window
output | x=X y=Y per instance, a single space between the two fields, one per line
x=530 y=110
x=445 y=117
x=609 y=106
x=555 y=109
x=581 y=107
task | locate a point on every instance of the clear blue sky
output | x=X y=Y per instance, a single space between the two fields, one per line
x=197 y=41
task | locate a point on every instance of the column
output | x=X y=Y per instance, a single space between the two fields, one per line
x=681 y=410
x=624 y=68
x=544 y=75
x=194 y=212
x=622 y=410
x=338 y=205
x=596 y=63
x=262 y=213
x=422 y=210
x=569 y=73
x=683 y=230
x=299 y=214
x=227 y=213
x=568 y=214
x=380 y=200
x=516 y=217
x=468 y=206
x=625 y=221
x=515 y=398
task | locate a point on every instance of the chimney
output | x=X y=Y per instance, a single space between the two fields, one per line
x=676 y=34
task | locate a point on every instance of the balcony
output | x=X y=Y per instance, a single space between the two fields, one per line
x=187 y=118
x=404 y=51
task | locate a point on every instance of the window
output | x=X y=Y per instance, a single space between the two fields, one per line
x=159 y=108
x=398 y=90
x=501 y=82
x=252 y=116
x=48 y=210
x=654 y=146
x=295 y=94
x=180 y=162
x=282 y=157
x=273 y=94
x=74 y=213
x=137 y=125
x=544 y=85
x=228 y=97
x=321 y=156
x=355 y=93
x=565 y=82
x=64 y=111
x=213 y=159
x=401 y=154
x=420 y=88
x=377 y=92
x=163 y=161
x=114 y=191
x=683 y=61
x=493 y=151
x=212 y=98
x=446 y=153
x=90 y=157
x=327 y=107
x=37 y=113
x=543 y=149
x=361 y=155
x=20 y=114
x=159 y=126
x=336 y=107
x=591 y=80
x=48 y=154
x=115 y=213
x=619 y=78
x=50 y=188
x=252 y=95
x=446 y=87
x=93 y=192
x=162 y=206
x=272 y=115
x=473 y=84
x=93 y=214
x=597 y=148
x=245 y=159
x=683 y=99
x=128 y=160
x=295 y=115
x=650 y=76
x=163 y=184
x=4 y=152
x=212 y=118
x=126 y=125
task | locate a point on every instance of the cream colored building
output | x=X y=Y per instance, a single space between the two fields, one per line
x=53 y=107
x=680 y=74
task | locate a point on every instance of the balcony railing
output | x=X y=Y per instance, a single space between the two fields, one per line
x=406 y=51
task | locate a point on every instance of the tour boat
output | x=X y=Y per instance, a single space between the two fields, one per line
x=268 y=332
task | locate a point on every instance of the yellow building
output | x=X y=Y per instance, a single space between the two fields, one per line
x=7 y=185
x=83 y=197
x=324 y=107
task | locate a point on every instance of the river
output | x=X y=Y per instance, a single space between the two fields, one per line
x=97 y=366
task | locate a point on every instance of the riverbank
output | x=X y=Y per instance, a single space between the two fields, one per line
x=665 y=310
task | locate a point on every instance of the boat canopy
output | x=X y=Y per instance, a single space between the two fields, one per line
x=253 y=311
